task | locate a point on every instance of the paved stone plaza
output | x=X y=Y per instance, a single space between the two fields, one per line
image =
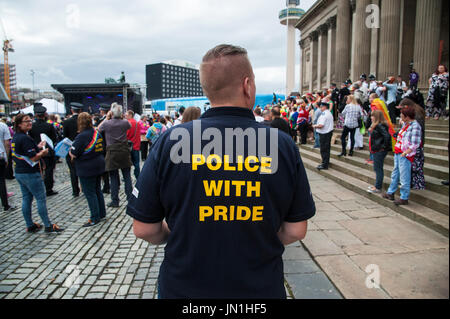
x=348 y=233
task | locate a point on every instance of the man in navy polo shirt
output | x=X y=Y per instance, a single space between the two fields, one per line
x=225 y=192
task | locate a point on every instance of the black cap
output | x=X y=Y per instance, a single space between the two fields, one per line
x=76 y=106
x=104 y=107
x=348 y=82
x=363 y=76
x=324 y=104
x=372 y=77
x=39 y=108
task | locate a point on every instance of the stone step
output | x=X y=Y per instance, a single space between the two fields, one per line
x=414 y=211
x=434 y=141
x=433 y=174
x=428 y=133
x=433 y=200
x=439 y=160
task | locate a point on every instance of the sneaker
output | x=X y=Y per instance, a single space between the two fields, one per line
x=342 y=154
x=51 y=193
x=374 y=191
x=90 y=223
x=9 y=208
x=53 y=229
x=445 y=183
x=34 y=228
x=112 y=204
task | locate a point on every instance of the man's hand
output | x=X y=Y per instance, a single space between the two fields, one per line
x=291 y=232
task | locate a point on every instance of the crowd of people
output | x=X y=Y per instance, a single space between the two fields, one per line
x=102 y=145
x=112 y=141
x=373 y=108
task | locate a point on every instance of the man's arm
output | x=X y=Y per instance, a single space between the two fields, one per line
x=156 y=234
x=291 y=232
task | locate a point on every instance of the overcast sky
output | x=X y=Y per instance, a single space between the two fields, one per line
x=88 y=41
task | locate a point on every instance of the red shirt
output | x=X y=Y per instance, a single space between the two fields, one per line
x=134 y=134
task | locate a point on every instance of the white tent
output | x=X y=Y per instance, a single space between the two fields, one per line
x=52 y=106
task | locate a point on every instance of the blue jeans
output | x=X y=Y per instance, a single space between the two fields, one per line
x=316 y=139
x=402 y=174
x=378 y=164
x=31 y=186
x=92 y=189
x=135 y=161
x=115 y=184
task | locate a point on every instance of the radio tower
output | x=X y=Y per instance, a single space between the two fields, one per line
x=289 y=17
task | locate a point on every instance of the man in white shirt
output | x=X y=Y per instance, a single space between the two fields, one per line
x=324 y=128
x=257 y=112
x=373 y=84
x=180 y=118
x=5 y=138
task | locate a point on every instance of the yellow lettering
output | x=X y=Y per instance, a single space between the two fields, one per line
x=241 y=210
x=254 y=159
x=197 y=160
x=254 y=188
x=227 y=188
x=231 y=213
x=226 y=161
x=211 y=187
x=218 y=162
x=220 y=211
x=238 y=185
x=266 y=163
x=240 y=162
x=257 y=213
x=205 y=211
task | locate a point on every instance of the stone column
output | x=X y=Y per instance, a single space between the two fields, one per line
x=374 y=43
x=426 y=44
x=343 y=37
x=313 y=64
x=331 y=50
x=302 y=66
x=322 y=58
x=389 y=39
x=363 y=38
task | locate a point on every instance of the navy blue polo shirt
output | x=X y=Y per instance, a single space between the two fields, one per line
x=88 y=148
x=23 y=145
x=223 y=213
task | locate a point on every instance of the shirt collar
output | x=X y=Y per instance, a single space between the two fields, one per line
x=228 y=111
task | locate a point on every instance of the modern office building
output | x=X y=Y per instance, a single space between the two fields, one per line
x=167 y=80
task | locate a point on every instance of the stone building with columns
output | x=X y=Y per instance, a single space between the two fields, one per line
x=342 y=39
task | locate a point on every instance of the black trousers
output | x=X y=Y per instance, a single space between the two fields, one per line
x=303 y=129
x=345 y=133
x=73 y=176
x=144 y=150
x=50 y=163
x=393 y=112
x=325 y=147
x=9 y=174
x=105 y=178
x=3 y=194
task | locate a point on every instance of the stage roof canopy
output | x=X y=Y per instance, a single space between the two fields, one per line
x=90 y=88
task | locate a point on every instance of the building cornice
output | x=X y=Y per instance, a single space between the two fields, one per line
x=312 y=12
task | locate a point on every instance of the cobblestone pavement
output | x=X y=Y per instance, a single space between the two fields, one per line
x=104 y=261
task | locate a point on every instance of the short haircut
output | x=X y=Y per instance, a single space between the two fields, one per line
x=130 y=112
x=257 y=111
x=116 y=110
x=276 y=111
x=192 y=113
x=266 y=113
x=222 y=71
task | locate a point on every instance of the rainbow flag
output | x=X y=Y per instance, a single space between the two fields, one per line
x=379 y=105
x=91 y=145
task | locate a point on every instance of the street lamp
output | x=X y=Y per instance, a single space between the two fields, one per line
x=32 y=77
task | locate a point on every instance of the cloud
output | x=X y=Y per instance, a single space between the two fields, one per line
x=86 y=41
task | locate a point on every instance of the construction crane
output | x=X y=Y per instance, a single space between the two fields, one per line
x=7 y=47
